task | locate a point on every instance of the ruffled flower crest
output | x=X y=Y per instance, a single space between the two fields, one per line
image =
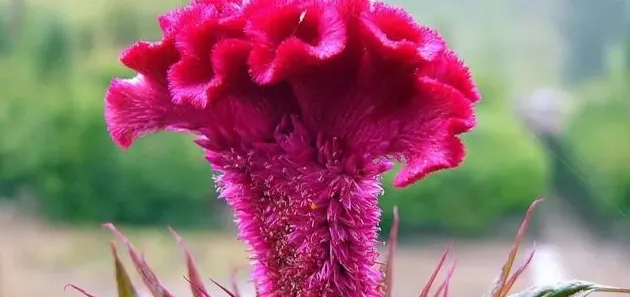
x=300 y=106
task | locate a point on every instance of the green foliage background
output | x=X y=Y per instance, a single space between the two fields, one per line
x=55 y=68
x=600 y=137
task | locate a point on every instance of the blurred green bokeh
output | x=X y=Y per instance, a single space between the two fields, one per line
x=55 y=64
x=600 y=137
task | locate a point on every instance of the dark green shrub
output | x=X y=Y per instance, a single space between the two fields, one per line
x=85 y=39
x=5 y=38
x=122 y=24
x=54 y=51
x=58 y=149
x=589 y=28
x=598 y=136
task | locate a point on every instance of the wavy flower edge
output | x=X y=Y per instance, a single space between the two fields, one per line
x=397 y=87
x=300 y=106
x=501 y=287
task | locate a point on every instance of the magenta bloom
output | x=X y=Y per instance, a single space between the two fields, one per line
x=300 y=106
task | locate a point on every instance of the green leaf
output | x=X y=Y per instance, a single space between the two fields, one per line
x=148 y=276
x=123 y=282
x=574 y=288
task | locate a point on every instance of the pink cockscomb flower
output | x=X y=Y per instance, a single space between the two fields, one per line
x=300 y=106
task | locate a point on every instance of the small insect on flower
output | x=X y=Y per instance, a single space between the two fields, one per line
x=300 y=106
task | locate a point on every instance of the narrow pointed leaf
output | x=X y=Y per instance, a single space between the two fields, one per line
x=573 y=288
x=147 y=275
x=392 y=245
x=80 y=290
x=193 y=286
x=448 y=280
x=517 y=242
x=224 y=288
x=499 y=286
x=512 y=280
x=123 y=282
x=446 y=290
x=234 y=283
x=443 y=288
x=196 y=283
x=427 y=287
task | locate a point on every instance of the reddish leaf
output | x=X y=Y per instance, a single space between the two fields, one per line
x=502 y=290
x=196 y=284
x=427 y=287
x=192 y=285
x=234 y=282
x=224 y=288
x=444 y=286
x=80 y=290
x=510 y=282
x=392 y=245
x=147 y=275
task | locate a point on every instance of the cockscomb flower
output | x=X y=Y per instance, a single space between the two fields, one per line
x=300 y=106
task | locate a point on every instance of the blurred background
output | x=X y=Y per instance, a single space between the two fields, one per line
x=554 y=122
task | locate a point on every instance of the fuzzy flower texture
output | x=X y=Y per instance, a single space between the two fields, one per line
x=301 y=106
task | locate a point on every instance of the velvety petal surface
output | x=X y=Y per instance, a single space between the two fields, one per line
x=300 y=107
